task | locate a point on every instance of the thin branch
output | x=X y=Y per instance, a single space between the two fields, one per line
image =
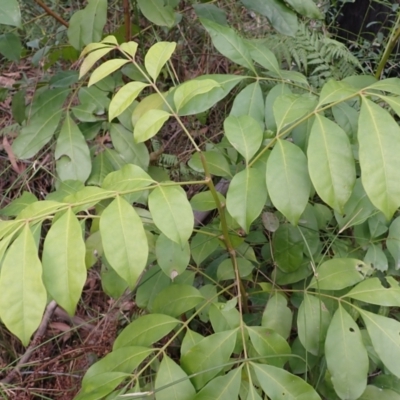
x=31 y=348
x=52 y=13
x=127 y=21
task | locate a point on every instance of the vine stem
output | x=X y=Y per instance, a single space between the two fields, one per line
x=50 y=12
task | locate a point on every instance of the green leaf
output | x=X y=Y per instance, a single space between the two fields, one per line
x=346 y=356
x=270 y=345
x=277 y=315
x=288 y=181
x=124 y=98
x=279 y=384
x=289 y=108
x=244 y=134
x=225 y=269
x=339 y=273
x=273 y=94
x=279 y=15
x=207 y=358
x=373 y=393
x=191 y=89
x=312 y=324
x=176 y=299
x=97 y=51
x=223 y=317
x=64 y=269
x=18 y=204
x=149 y=124
x=246 y=196
x=86 y=26
x=158 y=13
x=229 y=44
x=372 y=291
x=307 y=8
x=172 y=213
x=101 y=167
x=379 y=139
x=145 y=330
x=216 y=161
x=287 y=244
x=222 y=387
x=10 y=13
x=331 y=163
x=261 y=54
x=385 y=336
x=170 y=382
x=211 y=12
x=10 y=46
x=124 y=240
x=23 y=296
x=131 y=152
x=72 y=153
x=391 y=85
x=203 y=244
x=393 y=241
x=157 y=57
x=376 y=257
x=171 y=257
x=46 y=113
x=250 y=103
x=204 y=201
x=105 y=69
x=336 y=91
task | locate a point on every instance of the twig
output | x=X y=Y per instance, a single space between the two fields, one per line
x=127 y=20
x=52 y=13
x=31 y=348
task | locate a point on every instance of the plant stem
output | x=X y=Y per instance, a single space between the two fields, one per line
x=50 y=12
x=127 y=21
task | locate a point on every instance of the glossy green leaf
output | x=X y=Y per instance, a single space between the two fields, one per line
x=171 y=382
x=172 y=213
x=250 y=103
x=145 y=330
x=288 y=181
x=176 y=299
x=346 y=356
x=269 y=344
x=149 y=124
x=64 y=271
x=131 y=152
x=172 y=257
x=287 y=244
x=372 y=291
x=203 y=245
x=216 y=161
x=331 y=163
x=157 y=56
x=335 y=91
x=339 y=273
x=283 y=19
x=277 y=315
x=21 y=273
x=228 y=43
x=393 y=241
x=313 y=320
x=246 y=196
x=385 y=336
x=222 y=387
x=124 y=98
x=372 y=393
x=245 y=135
x=72 y=153
x=124 y=240
x=279 y=384
x=105 y=69
x=379 y=139
x=45 y=116
x=97 y=51
x=157 y=12
x=289 y=108
x=86 y=26
x=207 y=358
x=10 y=13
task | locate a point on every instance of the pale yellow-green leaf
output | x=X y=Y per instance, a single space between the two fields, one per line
x=149 y=125
x=185 y=92
x=105 y=69
x=157 y=56
x=129 y=48
x=64 y=269
x=151 y=102
x=124 y=98
x=22 y=293
x=97 y=50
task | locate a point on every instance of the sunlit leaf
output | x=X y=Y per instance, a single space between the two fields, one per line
x=149 y=124
x=157 y=57
x=105 y=69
